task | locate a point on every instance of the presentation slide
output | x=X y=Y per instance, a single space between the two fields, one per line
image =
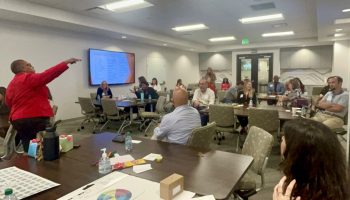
x=110 y=66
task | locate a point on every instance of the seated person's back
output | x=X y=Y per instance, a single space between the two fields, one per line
x=177 y=126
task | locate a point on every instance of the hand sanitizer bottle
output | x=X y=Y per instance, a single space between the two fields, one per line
x=104 y=166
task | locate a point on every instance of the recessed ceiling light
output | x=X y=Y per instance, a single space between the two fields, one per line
x=126 y=5
x=165 y=44
x=346 y=10
x=264 y=18
x=221 y=39
x=124 y=37
x=277 y=34
x=193 y=27
x=342 y=21
x=339 y=34
x=338 y=30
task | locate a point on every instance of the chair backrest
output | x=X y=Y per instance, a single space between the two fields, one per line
x=109 y=107
x=222 y=114
x=266 y=119
x=258 y=144
x=317 y=90
x=162 y=93
x=221 y=95
x=202 y=136
x=192 y=86
x=160 y=104
x=86 y=105
x=54 y=110
x=93 y=95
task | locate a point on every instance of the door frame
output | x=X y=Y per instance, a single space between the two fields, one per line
x=255 y=62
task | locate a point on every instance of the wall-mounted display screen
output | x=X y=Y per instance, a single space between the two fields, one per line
x=111 y=66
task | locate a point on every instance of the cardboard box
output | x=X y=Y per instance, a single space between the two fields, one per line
x=171 y=186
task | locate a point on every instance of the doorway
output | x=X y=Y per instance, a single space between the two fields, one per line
x=256 y=67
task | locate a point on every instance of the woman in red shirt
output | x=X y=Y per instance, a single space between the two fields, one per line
x=225 y=85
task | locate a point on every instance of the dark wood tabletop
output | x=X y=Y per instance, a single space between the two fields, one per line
x=205 y=172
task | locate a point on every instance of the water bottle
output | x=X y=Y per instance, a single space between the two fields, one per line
x=251 y=103
x=142 y=96
x=51 y=145
x=9 y=195
x=128 y=142
x=150 y=102
x=104 y=165
x=303 y=111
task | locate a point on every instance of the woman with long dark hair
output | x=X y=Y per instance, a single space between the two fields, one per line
x=315 y=159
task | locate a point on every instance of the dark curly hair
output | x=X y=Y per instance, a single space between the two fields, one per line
x=315 y=159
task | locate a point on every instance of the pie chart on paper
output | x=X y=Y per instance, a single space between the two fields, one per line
x=118 y=194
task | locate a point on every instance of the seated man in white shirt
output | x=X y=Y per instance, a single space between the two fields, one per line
x=202 y=98
x=334 y=105
x=177 y=126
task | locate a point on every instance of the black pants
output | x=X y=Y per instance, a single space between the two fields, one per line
x=243 y=121
x=28 y=128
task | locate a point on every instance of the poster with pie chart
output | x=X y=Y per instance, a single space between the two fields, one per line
x=118 y=194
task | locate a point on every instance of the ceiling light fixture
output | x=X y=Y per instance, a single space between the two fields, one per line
x=222 y=39
x=277 y=34
x=339 y=34
x=124 y=37
x=126 y=5
x=338 y=30
x=193 y=27
x=165 y=44
x=342 y=21
x=264 y=18
x=346 y=10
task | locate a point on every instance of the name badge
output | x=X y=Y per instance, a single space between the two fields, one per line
x=329 y=98
x=271 y=85
x=241 y=96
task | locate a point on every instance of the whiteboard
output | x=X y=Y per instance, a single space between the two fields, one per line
x=156 y=68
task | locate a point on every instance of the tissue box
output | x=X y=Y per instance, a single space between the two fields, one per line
x=171 y=186
x=66 y=142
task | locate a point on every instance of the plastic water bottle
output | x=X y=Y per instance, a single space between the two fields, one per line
x=142 y=96
x=104 y=166
x=150 y=102
x=251 y=103
x=9 y=195
x=128 y=142
x=303 y=111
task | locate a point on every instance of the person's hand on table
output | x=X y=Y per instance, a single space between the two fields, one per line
x=196 y=103
x=278 y=191
x=72 y=60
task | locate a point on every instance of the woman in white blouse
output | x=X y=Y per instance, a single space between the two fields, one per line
x=155 y=85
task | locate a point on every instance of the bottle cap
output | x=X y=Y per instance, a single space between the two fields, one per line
x=8 y=191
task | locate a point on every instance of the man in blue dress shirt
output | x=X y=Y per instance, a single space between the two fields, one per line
x=177 y=126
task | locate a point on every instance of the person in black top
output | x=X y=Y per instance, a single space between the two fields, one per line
x=147 y=91
x=244 y=97
x=104 y=91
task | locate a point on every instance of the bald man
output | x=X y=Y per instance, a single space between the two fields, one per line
x=176 y=127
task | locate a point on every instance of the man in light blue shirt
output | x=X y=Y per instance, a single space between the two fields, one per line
x=275 y=88
x=177 y=126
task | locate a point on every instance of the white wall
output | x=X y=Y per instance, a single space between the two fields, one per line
x=276 y=61
x=44 y=47
x=341 y=61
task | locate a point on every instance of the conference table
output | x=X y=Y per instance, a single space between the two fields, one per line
x=205 y=171
x=283 y=113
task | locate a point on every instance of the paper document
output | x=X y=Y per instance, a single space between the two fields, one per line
x=141 y=168
x=208 y=197
x=121 y=159
x=24 y=183
x=152 y=156
x=136 y=141
x=184 y=195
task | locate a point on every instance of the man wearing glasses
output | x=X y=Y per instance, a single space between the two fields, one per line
x=27 y=97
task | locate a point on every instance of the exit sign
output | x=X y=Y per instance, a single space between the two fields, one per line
x=245 y=41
